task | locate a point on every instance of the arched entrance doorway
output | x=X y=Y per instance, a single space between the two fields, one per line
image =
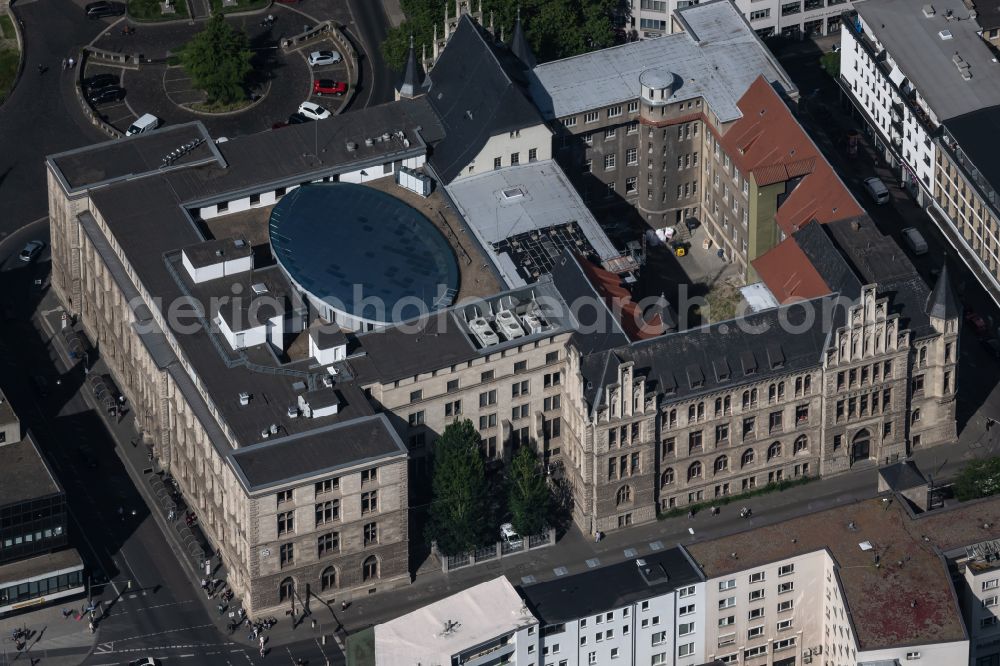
x=861 y=446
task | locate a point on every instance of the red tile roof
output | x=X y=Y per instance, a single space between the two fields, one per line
x=788 y=273
x=609 y=286
x=879 y=598
x=768 y=143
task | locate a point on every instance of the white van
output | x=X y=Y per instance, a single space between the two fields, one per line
x=146 y=123
x=915 y=240
x=877 y=189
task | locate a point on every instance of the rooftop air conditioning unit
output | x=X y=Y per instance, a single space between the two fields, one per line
x=507 y=323
x=244 y=398
x=293 y=412
x=481 y=330
x=532 y=323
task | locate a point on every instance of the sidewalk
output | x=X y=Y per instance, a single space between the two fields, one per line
x=56 y=640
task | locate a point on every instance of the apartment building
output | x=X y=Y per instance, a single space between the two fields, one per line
x=861 y=584
x=799 y=19
x=932 y=110
x=643 y=611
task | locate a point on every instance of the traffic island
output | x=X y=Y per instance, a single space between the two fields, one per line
x=10 y=54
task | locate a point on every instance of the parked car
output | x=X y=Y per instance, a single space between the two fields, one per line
x=319 y=58
x=98 y=81
x=508 y=534
x=31 y=250
x=109 y=94
x=877 y=189
x=102 y=8
x=313 y=111
x=297 y=119
x=147 y=122
x=915 y=240
x=329 y=87
x=976 y=321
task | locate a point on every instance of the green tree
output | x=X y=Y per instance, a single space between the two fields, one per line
x=529 y=499
x=218 y=61
x=830 y=61
x=555 y=28
x=979 y=478
x=460 y=506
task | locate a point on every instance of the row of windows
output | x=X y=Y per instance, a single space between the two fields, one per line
x=326 y=486
x=327 y=544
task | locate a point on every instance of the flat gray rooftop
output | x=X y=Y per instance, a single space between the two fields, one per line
x=41 y=564
x=520 y=199
x=718 y=58
x=23 y=473
x=321 y=451
x=914 y=43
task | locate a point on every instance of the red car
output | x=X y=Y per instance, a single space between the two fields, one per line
x=976 y=321
x=329 y=87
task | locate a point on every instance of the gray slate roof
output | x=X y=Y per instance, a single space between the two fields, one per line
x=24 y=474
x=519 y=46
x=978 y=136
x=941 y=302
x=413 y=76
x=717 y=58
x=607 y=588
x=474 y=99
x=913 y=42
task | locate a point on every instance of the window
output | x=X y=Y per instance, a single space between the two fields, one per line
x=371 y=534
x=588 y=166
x=755 y=652
x=694 y=471
x=774 y=451
x=721 y=464
x=369 y=568
x=520 y=366
x=369 y=502
x=754 y=632
x=487 y=421
x=989 y=602
x=785 y=606
x=286 y=554
x=609 y=161
x=686 y=592
x=487 y=398
x=727 y=639
x=592 y=117
x=327 y=512
x=757 y=577
x=755 y=613
x=786 y=569
x=532 y=154
x=727 y=621
x=286 y=523
x=786 y=587
x=551 y=379
x=685 y=610
x=633 y=107
x=659 y=638
x=614 y=111
x=774 y=421
x=497 y=163
x=570 y=122
x=784 y=644
x=623 y=496
x=518 y=389
x=784 y=625
x=515 y=159
x=328 y=579
x=591 y=658
x=609 y=133
x=453 y=408
x=329 y=485
x=416 y=396
x=685 y=650
x=760 y=14
x=728 y=602
x=416 y=418
x=727 y=584
x=631 y=156
x=327 y=543
x=284 y=496
x=685 y=628
x=747 y=458
x=667 y=477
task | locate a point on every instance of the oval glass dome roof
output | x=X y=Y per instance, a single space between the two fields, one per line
x=362 y=251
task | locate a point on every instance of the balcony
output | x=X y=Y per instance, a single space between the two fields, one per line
x=983 y=187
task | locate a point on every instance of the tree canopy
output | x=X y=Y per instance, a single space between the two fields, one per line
x=460 y=507
x=979 y=478
x=218 y=61
x=529 y=499
x=555 y=28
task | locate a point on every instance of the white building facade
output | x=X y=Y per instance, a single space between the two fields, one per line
x=794 y=19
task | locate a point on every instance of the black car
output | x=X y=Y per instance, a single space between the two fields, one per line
x=99 y=81
x=96 y=10
x=297 y=119
x=109 y=94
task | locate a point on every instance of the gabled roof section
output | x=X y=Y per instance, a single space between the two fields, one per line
x=474 y=98
x=413 y=77
x=788 y=273
x=769 y=144
x=519 y=44
x=941 y=302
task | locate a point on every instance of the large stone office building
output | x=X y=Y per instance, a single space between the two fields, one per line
x=295 y=411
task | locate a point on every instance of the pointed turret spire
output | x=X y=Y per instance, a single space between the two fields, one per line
x=941 y=303
x=413 y=76
x=519 y=44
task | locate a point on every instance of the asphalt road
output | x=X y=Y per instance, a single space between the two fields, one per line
x=41 y=115
x=378 y=82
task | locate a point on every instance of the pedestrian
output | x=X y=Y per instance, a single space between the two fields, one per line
x=91 y=625
x=121 y=513
x=65 y=64
x=261 y=651
x=171 y=515
x=343 y=606
x=72 y=63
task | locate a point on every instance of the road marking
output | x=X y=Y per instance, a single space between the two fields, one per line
x=160 y=633
x=104 y=648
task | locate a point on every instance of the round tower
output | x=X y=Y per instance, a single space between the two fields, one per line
x=655 y=202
